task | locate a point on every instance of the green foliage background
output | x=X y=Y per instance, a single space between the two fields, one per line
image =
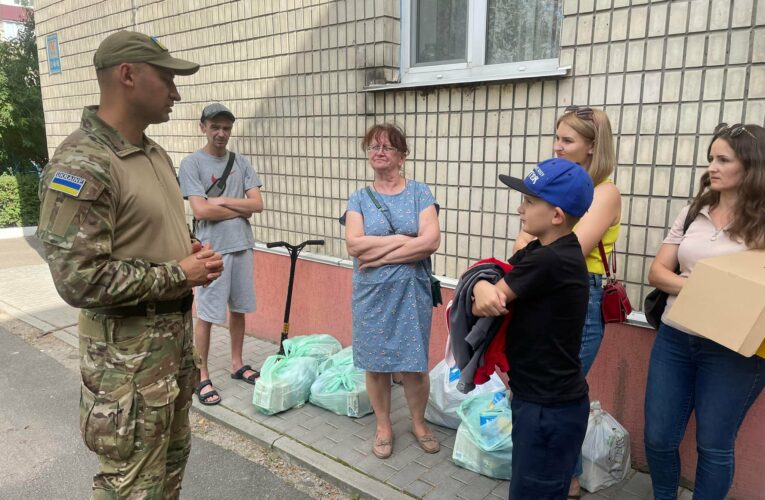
x=19 y=205
x=23 y=145
x=23 y=149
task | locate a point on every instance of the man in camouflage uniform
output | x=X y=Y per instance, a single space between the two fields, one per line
x=114 y=228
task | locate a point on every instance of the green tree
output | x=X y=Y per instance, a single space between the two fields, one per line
x=22 y=122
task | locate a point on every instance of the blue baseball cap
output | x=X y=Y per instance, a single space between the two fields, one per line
x=559 y=182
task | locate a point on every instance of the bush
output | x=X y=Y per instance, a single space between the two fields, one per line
x=19 y=205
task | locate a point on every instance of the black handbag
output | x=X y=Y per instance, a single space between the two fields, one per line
x=435 y=285
x=656 y=301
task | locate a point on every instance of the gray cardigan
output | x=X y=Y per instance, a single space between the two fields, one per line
x=469 y=335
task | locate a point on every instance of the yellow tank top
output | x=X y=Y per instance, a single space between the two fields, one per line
x=594 y=262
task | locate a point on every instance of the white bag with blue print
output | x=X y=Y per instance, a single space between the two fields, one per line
x=445 y=398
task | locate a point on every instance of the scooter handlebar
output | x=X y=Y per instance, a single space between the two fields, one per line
x=314 y=242
x=277 y=244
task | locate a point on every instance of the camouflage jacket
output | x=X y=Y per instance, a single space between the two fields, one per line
x=78 y=215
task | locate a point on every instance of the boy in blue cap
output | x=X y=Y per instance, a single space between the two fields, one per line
x=548 y=286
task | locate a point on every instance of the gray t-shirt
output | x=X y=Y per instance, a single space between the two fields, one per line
x=197 y=173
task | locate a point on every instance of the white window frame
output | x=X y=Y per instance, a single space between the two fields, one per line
x=475 y=68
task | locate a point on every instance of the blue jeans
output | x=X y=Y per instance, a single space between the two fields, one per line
x=546 y=442
x=689 y=373
x=592 y=336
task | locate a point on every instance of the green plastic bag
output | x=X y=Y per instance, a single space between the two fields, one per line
x=488 y=419
x=320 y=346
x=342 y=389
x=468 y=455
x=284 y=383
x=342 y=358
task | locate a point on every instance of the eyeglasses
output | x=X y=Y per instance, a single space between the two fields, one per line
x=583 y=112
x=732 y=130
x=378 y=148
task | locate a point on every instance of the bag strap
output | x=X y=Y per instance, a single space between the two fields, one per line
x=382 y=210
x=226 y=172
x=604 y=259
x=426 y=263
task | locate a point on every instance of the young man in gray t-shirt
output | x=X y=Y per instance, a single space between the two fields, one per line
x=223 y=221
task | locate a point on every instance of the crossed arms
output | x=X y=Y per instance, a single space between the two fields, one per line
x=223 y=207
x=376 y=251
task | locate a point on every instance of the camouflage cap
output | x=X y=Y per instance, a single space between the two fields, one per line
x=132 y=47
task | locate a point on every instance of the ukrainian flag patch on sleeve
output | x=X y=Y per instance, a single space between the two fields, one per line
x=67 y=183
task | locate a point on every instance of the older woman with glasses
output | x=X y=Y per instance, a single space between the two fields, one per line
x=391 y=231
x=687 y=372
x=583 y=135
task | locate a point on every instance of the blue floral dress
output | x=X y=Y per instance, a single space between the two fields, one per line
x=392 y=305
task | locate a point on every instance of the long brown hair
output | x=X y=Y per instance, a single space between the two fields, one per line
x=748 y=143
x=596 y=129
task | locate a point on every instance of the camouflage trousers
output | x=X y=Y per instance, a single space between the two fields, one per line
x=138 y=378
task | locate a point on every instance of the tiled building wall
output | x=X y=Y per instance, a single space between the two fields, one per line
x=293 y=71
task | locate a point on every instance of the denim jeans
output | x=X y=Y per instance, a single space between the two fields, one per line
x=688 y=373
x=592 y=336
x=546 y=442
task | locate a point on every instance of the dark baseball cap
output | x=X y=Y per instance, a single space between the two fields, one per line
x=132 y=47
x=216 y=109
x=559 y=182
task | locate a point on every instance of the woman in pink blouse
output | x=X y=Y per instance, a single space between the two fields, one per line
x=688 y=372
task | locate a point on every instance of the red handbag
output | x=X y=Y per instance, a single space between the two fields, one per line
x=615 y=306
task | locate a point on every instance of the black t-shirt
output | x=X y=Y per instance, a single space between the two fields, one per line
x=545 y=331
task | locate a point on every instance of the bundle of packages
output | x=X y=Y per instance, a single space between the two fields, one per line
x=605 y=451
x=342 y=358
x=284 y=383
x=444 y=397
x=342 y=389
x=484 y=442
x=320 y=346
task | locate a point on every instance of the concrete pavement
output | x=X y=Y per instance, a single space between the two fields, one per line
x=43 y=455
x=337 y=448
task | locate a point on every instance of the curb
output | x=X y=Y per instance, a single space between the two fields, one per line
x=8 y=233
x=295 y=452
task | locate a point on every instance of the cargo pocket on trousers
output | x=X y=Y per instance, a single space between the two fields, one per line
x=107 y=421
x=157 y=401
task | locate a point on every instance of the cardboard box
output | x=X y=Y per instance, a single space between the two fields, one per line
x=724 y=300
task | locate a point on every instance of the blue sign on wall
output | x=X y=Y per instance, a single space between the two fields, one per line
x=54 y=59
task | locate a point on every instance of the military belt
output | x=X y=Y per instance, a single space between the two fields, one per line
x=144 y=308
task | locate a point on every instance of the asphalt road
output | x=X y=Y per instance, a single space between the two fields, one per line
x=43 y=456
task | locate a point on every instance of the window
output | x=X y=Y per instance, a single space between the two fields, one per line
x=451 y=41
x=11 y=29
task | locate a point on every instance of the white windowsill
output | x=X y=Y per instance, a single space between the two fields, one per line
x=434 y=81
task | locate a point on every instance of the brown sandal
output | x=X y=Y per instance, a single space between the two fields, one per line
x=382 y=448
x=428 y=442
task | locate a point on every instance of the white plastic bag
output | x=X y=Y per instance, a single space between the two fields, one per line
x=605 y=451
x=445 y=398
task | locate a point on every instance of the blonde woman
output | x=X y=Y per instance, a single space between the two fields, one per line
x=583 y=135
